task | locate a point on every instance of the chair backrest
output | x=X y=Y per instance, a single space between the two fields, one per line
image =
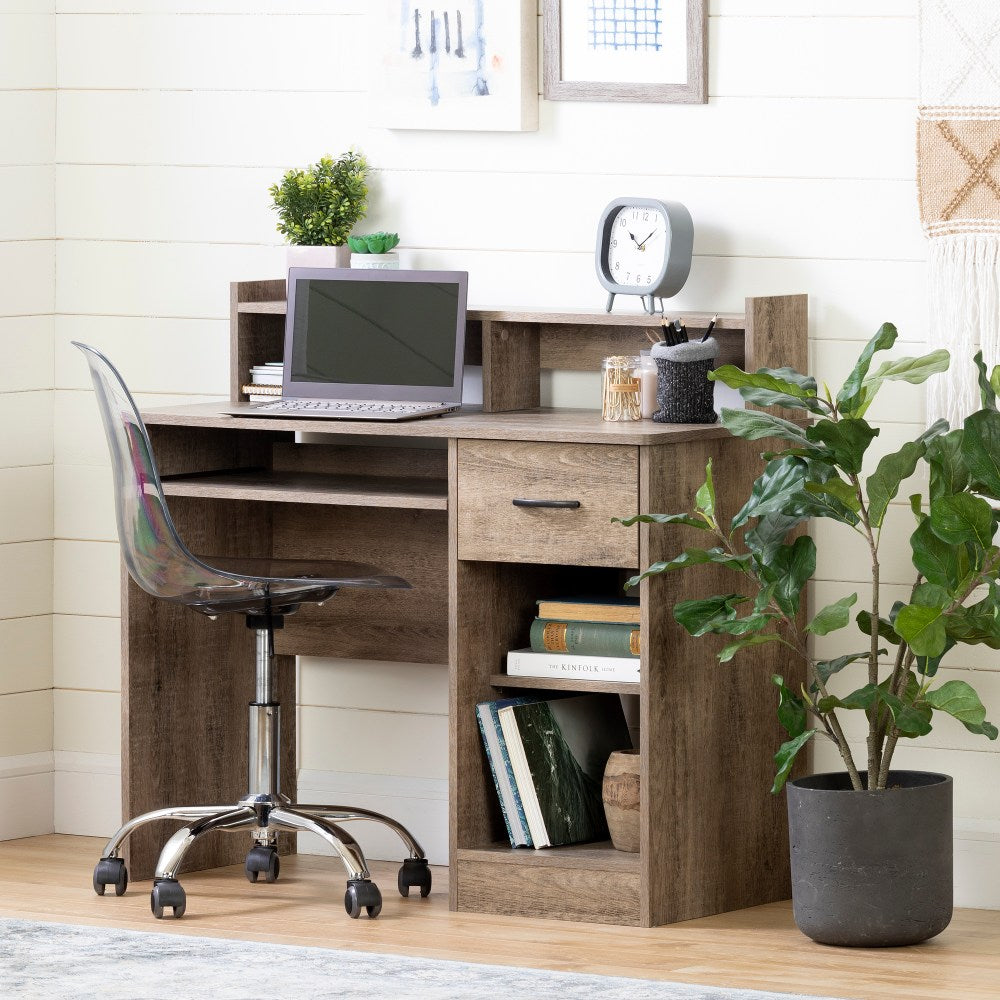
x=154 y=554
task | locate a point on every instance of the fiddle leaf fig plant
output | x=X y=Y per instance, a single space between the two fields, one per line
x=816 y=471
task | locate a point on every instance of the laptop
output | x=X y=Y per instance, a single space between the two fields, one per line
x=370 y=345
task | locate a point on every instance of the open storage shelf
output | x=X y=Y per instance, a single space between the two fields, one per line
x=600 y=856
x=312 y=487
x=562 y=684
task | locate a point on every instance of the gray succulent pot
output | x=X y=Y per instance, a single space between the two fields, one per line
x=871 y=869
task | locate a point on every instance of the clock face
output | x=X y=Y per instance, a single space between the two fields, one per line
x=637 y=246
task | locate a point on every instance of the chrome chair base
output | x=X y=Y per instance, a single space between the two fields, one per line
x=263 y=813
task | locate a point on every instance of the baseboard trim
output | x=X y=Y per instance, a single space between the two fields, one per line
x=26 y=796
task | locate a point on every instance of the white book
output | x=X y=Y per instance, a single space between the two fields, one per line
x=522 y=775
x=572 y=666
x=265 y=378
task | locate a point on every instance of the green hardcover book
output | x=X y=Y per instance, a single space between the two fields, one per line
x=558 y=750
x=584 y=638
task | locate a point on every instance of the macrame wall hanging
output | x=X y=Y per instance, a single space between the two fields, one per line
x=958 y=173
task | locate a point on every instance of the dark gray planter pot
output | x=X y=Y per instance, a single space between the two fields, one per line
x=871 y=869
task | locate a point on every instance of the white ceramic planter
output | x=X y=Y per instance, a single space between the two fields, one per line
x=375 y=261
x=319 y=256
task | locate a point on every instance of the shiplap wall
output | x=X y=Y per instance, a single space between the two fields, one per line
x=27 y=288
x=173 y=117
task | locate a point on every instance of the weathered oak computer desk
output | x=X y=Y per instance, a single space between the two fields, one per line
x=430 y=500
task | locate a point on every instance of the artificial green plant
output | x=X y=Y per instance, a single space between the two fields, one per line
x=816 y=471
x=374 y=243
x=320 y=204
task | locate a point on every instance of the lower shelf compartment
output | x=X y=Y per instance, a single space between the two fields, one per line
x=600 y=856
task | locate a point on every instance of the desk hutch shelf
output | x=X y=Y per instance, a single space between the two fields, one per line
x=431 y=501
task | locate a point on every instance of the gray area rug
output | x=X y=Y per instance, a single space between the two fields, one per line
x=44 y=961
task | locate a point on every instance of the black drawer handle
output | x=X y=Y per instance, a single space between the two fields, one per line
x=564 y=504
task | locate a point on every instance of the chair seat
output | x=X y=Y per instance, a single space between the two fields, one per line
x=281 y=584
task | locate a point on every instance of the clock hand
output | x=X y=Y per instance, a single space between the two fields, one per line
x=634 y=240
x=647 y=239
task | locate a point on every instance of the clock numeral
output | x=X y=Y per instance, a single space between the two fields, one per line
x=617 y=267
x=622 y=222
x=614 y=243
x=645 y=216
x=627 y=273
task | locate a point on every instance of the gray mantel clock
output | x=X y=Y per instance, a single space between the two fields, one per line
x=644 y=248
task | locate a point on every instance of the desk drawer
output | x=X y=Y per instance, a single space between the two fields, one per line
x=595 y=482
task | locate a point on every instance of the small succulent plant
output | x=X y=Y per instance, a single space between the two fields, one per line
x=375 y=243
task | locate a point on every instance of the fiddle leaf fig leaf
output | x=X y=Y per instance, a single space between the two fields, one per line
x=849 y=397
x=847 y=440
x=986 y=388
x=694 y=557
x=691 y=522
x=936 y=560
x=843 y=492
x=883 y=484
x=833 y=616
x=864 y=698
x=780 y=480
x=949 y=473
x=827 y=668
x=704 y=499
x=699 y=617
x=963 y=518
x=921 y=623
x=981 y=448
x=790 y=569
x=753 y=425
x=959 y=700
x=785 y=758
x=769 y=534
x=791 y=708
x=728 y=652
x=914 y=370
x=911 y=720
x=771 y=387
x=885 y=628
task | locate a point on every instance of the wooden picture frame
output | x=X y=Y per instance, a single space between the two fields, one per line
x=623 y=38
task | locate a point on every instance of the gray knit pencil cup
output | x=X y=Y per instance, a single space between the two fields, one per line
x=683 y=390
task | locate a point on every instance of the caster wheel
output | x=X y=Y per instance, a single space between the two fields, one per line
x=362 y=893
x=110 y=871
x=167 y=892
x=263 y=858
x=415 y=872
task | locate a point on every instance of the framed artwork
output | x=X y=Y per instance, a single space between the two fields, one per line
x=456 y=64
x=626 y=50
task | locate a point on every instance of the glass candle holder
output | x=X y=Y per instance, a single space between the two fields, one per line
x=621 y=388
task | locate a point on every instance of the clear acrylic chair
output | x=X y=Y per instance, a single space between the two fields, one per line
x=264 y=591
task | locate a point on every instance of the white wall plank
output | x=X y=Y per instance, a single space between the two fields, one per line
x=150 y=351
x=84 y=503
x=87 y=578
x=27 y=654
x=737 y=217
x=26 y=349
x=26 y=506
x=375 y=742
x=207 y=52
x=29 y=278
x=29 y=211
x=31 y=413
x=86 y=652
x=27 y=122
x=25 y=723
x=28 y=592
x=27 y=51
x=390 y=687
x=86 y=721
x=276 y=130
x=26 y=806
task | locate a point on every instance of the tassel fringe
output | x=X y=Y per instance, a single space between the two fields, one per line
x=964 y=287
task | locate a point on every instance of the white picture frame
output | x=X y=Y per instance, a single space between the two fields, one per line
x=456 y=65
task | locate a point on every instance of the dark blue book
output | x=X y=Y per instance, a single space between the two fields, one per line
x=500 y=767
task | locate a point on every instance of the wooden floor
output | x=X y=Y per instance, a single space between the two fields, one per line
x=48 y=878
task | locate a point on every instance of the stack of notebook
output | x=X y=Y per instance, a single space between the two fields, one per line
x=580 y=639
x=548 y=758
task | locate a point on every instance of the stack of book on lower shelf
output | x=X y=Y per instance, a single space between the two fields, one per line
x=548 y=758
x=265 y=382
x=581 y=639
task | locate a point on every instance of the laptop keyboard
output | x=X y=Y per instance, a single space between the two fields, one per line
x=346 y=406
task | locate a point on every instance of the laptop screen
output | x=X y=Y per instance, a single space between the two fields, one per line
x=375 y=334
